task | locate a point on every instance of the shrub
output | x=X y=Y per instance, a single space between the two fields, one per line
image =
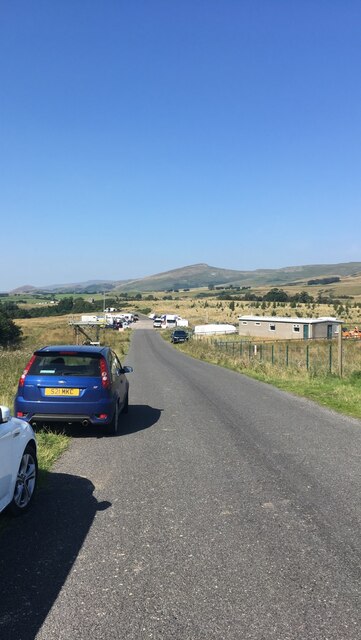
x=10 y=333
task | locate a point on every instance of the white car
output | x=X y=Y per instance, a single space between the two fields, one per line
x=18 y=463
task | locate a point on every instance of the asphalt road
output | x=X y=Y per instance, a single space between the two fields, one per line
x=225 y=509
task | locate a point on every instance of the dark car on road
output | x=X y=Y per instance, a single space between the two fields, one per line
x=73 y=384
x=179 y=336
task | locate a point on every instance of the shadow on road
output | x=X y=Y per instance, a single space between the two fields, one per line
x=37 y=551
x=139 y=417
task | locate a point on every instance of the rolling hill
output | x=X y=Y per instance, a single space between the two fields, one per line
x=203 y=275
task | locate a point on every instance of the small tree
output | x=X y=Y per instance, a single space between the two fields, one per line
x=276 y=295
x=65 y=305
x=10 y=333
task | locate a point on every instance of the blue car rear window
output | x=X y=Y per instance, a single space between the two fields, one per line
x=65 y=365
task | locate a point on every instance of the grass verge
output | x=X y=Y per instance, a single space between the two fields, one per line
x=50 y=447
x=339 y=394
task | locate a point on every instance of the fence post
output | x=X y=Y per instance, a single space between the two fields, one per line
x=340 y=354
x=287 y=345
x=261 y=351
x=307 y=357
x=330 y=357
x=273 y=354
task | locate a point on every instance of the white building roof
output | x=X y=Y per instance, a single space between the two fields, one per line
x=213 y=329
x=286 y=319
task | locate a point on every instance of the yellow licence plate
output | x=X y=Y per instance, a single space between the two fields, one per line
x=61 y=391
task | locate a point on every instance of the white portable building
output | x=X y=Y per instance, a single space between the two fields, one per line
x=214 y=329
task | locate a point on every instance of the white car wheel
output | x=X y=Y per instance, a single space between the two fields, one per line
x=25 y=482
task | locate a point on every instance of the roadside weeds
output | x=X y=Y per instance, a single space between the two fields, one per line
x=329 y=390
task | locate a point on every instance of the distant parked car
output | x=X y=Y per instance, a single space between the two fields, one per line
x=74 y=384
x=179 y=336
x=18 y=463
x=157 y=323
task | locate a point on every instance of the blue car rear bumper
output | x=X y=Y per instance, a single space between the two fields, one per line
x=36 y=412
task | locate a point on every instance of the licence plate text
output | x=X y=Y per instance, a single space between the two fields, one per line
x=61 y=391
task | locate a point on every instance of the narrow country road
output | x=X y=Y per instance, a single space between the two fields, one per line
x=225 y=509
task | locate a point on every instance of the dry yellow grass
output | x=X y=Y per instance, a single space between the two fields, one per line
x=209 y=310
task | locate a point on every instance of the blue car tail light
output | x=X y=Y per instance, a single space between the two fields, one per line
x=104 y=374
x=26 y=371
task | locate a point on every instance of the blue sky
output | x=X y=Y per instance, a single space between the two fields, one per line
x=144 y=135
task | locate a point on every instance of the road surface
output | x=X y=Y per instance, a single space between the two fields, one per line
x=225 y=509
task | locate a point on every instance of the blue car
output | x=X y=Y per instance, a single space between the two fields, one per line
x=73 y=384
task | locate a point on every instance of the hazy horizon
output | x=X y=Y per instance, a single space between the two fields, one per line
x=185 y=267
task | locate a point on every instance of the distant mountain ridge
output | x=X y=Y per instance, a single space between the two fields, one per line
x=90 y=286
x=203 y=275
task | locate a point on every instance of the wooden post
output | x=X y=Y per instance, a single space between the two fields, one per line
x=340 y=350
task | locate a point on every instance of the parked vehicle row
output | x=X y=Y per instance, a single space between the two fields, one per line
x=110 y=320
x=120 y=321
x=168 y=321
x=70 y=384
